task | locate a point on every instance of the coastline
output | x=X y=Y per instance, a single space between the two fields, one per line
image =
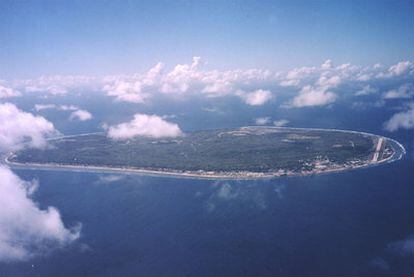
x=241 y=175
x=191 y=175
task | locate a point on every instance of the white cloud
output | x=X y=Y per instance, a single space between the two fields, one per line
x=326 y=65
x=311 y=96
x=182 y=77
x=6 y=92
x=136 y=88
x=77 y=113
x=57 y=84
x=256 y=98
x=328 y=81
x=41 y=107
x=366 y=90
x=314 y=85
x=401 y=68
x=18 y=127
x=25 y=229
x=67 y=108
x=127 y=91
x=144 y=125
x=401 y=120
x=281 y=122
x=405 y=91
x=182 y=81
x=81 y=115
x=262 y=120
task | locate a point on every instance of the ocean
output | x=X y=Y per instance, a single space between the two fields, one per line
x=350 y=223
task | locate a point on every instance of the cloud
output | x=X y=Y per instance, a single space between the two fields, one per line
x=19 y=128
x=184 y=80
x=405 y=91
x=144 y=125
x=312 y=85
x=366 y=90
x=6 y=92
x=233 y=193
x=311 y=96
x=77 y=113
x=182 y=77
x=41 y=107
x=81 y=115
x=58 y=84
x=212 y=110
x=25 y=229
x=127 y=91
x=402 y=247
x=281 y=122
x=262 y=120
x=401 y=68
x=226 y=192
x=401 y=120
x=256 y=98
x=110 y=178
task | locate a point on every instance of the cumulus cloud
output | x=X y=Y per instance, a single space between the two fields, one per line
x=400 y=68
x=401 y=120
x=405 y=91
x=262 y=120
x=25 y=229
x=136 y=88
x=281 y=122
x=19 y=128
x=184 y=80
x=144 y=125
x=313 y=85
x=182 y=77
x=311 y=96
x=77 y=113
x=256 y=98
x=57 y=84
x=81 y=115
x=295 y=76
x=6 y=92
x=127 y=91
x=366 y=90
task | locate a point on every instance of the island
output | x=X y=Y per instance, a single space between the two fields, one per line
x=242 y=153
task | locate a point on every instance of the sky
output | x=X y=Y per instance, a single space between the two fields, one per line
x=114 y=37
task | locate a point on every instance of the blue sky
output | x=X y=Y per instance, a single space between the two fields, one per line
x=111 y=37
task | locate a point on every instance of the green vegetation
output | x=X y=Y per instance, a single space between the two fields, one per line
x=252 y=149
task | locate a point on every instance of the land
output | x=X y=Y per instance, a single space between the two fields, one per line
x=243 y=153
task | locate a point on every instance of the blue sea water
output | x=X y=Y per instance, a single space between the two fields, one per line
x=341 y=224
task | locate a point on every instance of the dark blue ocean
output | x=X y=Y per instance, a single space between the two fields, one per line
x=340 y=224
